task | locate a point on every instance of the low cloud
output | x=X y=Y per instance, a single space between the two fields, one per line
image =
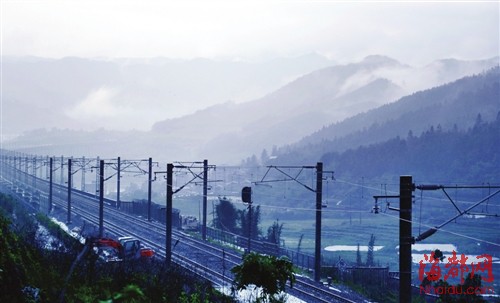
x=98 y=103
x=113 y=109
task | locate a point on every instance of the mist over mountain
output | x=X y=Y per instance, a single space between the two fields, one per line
x=125 y=94
x=448 y=132
x=307 y=104
x=454 y=105
x=228 y=132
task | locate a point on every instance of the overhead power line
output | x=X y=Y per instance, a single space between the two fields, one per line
x=446 y=231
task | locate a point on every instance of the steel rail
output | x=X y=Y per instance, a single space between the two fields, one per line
x=302 y=289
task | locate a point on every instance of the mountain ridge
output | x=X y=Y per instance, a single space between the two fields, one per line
x=456 y=103
x=228 y=132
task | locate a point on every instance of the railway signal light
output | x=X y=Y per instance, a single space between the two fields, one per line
x=246 y=194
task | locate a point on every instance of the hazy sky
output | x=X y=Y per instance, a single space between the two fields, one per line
x=414 y=32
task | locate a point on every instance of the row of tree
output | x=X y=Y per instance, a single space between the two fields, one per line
x=241 y=222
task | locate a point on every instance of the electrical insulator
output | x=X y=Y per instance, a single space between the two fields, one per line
x=429 y=187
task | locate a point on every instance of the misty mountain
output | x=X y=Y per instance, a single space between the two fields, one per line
x=229 y=132
x=307 y=104
x=454 y=107
x=123 y=94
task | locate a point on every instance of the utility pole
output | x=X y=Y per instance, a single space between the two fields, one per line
x=34 y=173
x=47 y=167
x=20 y=165
x=83 y=174
x=70 y=177
x=62 y=170
x=406 y=188
x=118 y=189
x=319 y=205
x=250 y=226
x=26 y=170
x=150 y=181
x=97 y=176
x=51 y=164
x=168 y=219
x=15 y=169
x=101 y=198
x=205 y=193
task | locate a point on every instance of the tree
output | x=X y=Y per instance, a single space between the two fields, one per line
x=479 y=121
x=369 y=255
x=267 y=272
x=251 y=161
x=226 y=216
x=274 y=233
x=274 y=151
x=274 y=236
x=264 y=157
x=410 y=135
x=358 y=257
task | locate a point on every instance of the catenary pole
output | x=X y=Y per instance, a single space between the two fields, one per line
x=205 y=193
x=101 y=198
x=69 y=189
x=150 y=181
x=118 y=177
x=51 y=164
x=168 y=218
x=96 y=188
x=62 y=170
x=34 y=172
x=319 y=205
x=405 y=238
x=82 y=186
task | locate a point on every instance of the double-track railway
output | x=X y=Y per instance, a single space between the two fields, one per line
x=207 y=260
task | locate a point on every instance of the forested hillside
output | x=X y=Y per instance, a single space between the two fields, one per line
x=447 y=131
x=472 y=155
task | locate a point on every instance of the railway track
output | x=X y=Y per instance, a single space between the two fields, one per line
x=206 y=260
